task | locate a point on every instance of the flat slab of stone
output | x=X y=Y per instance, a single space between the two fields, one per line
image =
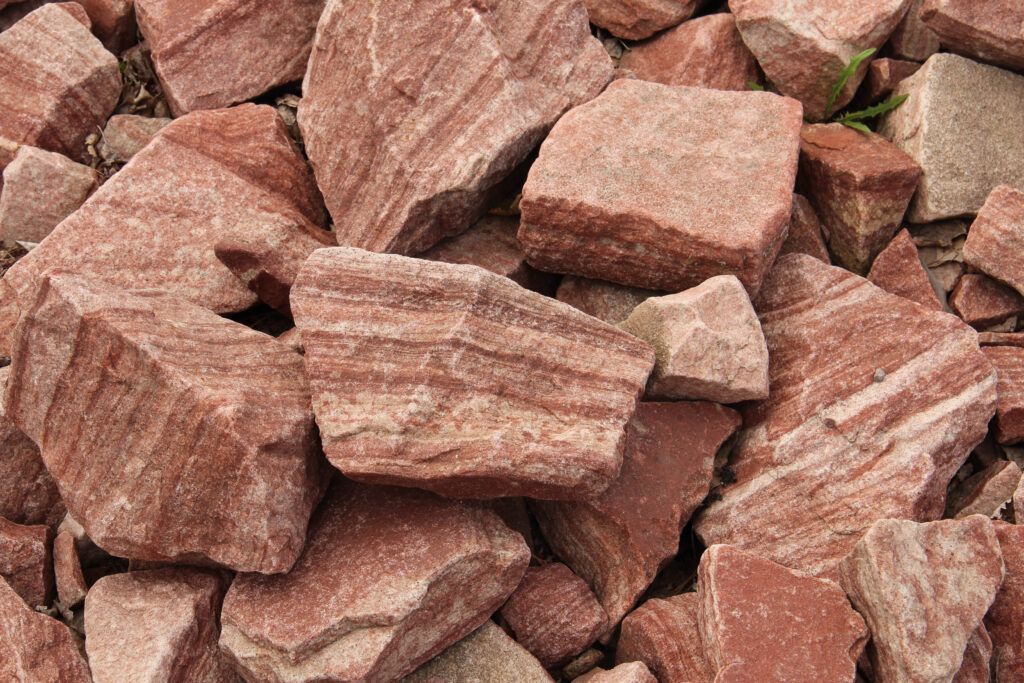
x=26 y=562
x=997 y=236
x=487 y=654
x=664 y=634
x=455 y=565
x=608 y=301
x=663 y=187
x=990 y=32
x=35 y=647
x=1005 y=619
x=805 y=233
x=912 y=39
x=898 y=270
x=455 y=379
x=882 y=426
x=982 y=302
x=636 y=19
x=40 y=189
x=451 y=98
x=1009 y=364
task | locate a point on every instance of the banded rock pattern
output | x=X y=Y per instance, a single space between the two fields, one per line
x=487 y=654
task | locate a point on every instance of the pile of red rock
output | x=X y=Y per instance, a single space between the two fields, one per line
x=623 y=409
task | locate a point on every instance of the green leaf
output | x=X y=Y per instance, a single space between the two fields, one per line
x=755 y=86
x=876 y=110
x=856 y=125
x=844 y=76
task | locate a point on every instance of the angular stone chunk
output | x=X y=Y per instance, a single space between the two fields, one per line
x=707 y=52
x=154 y=626
x=860 y=185
x=40 y=189
x=34 y=647
x=981 y=301
x=630 y=672
x=898 y=270
x=991 y=31
x=912 y=39
x=636 y=19
x=803 y=45
x=113 y=22
x=1005 y=619
x=454 y=379
x=608 y=301
x=487 y=654
x=663 y=187
x=996 y=237
x=619 y=541
x=67 y=569
x=707 y=342
x=210 y=55
x=805 y=235
x=923 y=590
x=450 y=96
x=124 y=391
x=760 y=621
x=57 y=83
x=665 y=635
x=25 y=561
x=882 y=425
x=396 y=576
x=1001 y=339
x=976 y=665
x=966 y=146
x=883 y=76
x=126 y=135
x=1009 y=364
x=986 y=492
x=553 y=614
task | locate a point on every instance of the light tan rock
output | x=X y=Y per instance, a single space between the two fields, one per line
x=608 y=301
x=485 y=655
x=636 y=19
x=898 y=270
x=125 y=135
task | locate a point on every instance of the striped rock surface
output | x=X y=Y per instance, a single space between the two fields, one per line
x=875 y=403
x=454 y=379
x=996 y=237
x=413 y=110
x=35 y=647
x=172 y=433
x=1005 y=619
x=26 y=562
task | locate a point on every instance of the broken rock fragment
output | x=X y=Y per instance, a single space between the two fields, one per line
x=912 y=39
x=805 y=235
x=35 y=647
x=883 y=77
x=25 y=561
x=987 y=31
x=67 y=570
x=636 y=19
x=630 y=672
x=126 y=134
x=1009 y=364
x=996 y=237
x=487 y=654
x=113 y=22
x=665 y=635
x=454 y=379
x=898 y=270
x=986 y=492
x=1005 y=619
x=982 y=302
x=608 y=301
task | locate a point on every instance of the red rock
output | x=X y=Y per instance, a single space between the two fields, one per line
x=34 y=647
x=41 y=189
x=452 y=566
x=803 y=45
x=875 y=401
x=883 y=76
x=1001 y=339
x=126 y=135
x=860 y=186
x=923 y=590
x=986 y=492
x=625 y=190
x=636 y=19
x=1005 y=620
x=760 y=621
x=608 y=301
x=630 y=672
x=517 y=395
x=292 y=339
x=25 y=561
x=619 y=541
x=451 y=96
x=113 y=22
x=990 y=31
x=74 y=83
x=210 y=386
x=976 y=666
x=158 y=625
x=705 y=53
x=708 y=343
x=1009 y=364
x=805 y=236
x=912 y=39
x=487 y=654
x=898 y=270
x=214 y=54
x=982 y=302
x=67 y=569
x=996 y=237
x=664 y=634
x=553 y=614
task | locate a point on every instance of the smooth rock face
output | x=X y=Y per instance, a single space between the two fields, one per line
x=966 y=146
x=831 y=431
x=805 y=236
x=553 y=614
x=57 y=83
x=636 y=19
x=619 y=541
x=996 y=237
x=121 y=391
x=923 y=590
x=631 y=672
x=34 y=647
x=67 y=569
x=990 y=31
x=1009 y=364
x=664 y=634
x=859 y=185
x=40 y=189
x=707 y=342
x=487 y=654
x=986 y=492
x=608 y=301
x=451 y=566
x=760 y=621
x=113 y=22
x=803 y=45
x=898 y=270
x=663 y=187
x=1005 y=619
x=25 y=561
x=451 y=96
x=214 y=54
x=912 y=39
x=707 y=52
x=517 y=394
x=981 y=301
x=126 y=135
x=883 y=76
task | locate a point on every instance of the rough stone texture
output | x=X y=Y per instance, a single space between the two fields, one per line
x=57 y=83
x=663 y=187
x=882 y=78
x=214 y=54
x=991 y=31
x=760 y=621
x=1001 y=339
x=206 y=176
x=912 y=39
x=487 y=655
x=996 y=237
x=966 y=146
x=122 y=390
x=630 y=672
x=882 y=425
x=26 y=562
x=619 y=541
x=113 y=22
x=553 y=614
x=898 y=270
x=40 y=189
x=664 y=634
x=451 y=96
x=517 y=394
x=923 y=590
x=608 y=301
x=986 y=492
x=860 y=185
x=67 y=569
x=449 y=566
x=976 y=665
x=805 y=235
x=707 y=342
x=156 y=626
x=981 y=301
x=1009 y=364
x=127 y=134
x=636 y=19
x=705 y=53
x=34 y=647
x=1005 y=619
x=803 y=45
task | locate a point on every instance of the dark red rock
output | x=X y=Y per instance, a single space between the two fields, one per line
x=26 y=562
x=883 y=77
x=1009 y=364
x=986 y=492
x=34 y=647
x=1005 y=619
x=898 y=270
x=630 y=672
x=664 y=635
x=67 y=569
x=487 y=654
x=982 y=302
x=1001 y=339
x=988 y=31
x=805 y=236
x=608 y=301
x=996 y=237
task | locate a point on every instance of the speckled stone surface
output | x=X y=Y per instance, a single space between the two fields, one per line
x=996 y=238
x=630 y=672
x=26 y=562
x=805 y=234
x=487 y=655
x=664 y=634
x=991 y=31
x=883 y=76
x=636 y=19
x=898 y=270
x=34 y=647
x=67 y=570
x=985 y=492
x=1009 y=364
x=608 y=301
x=1005 y=619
